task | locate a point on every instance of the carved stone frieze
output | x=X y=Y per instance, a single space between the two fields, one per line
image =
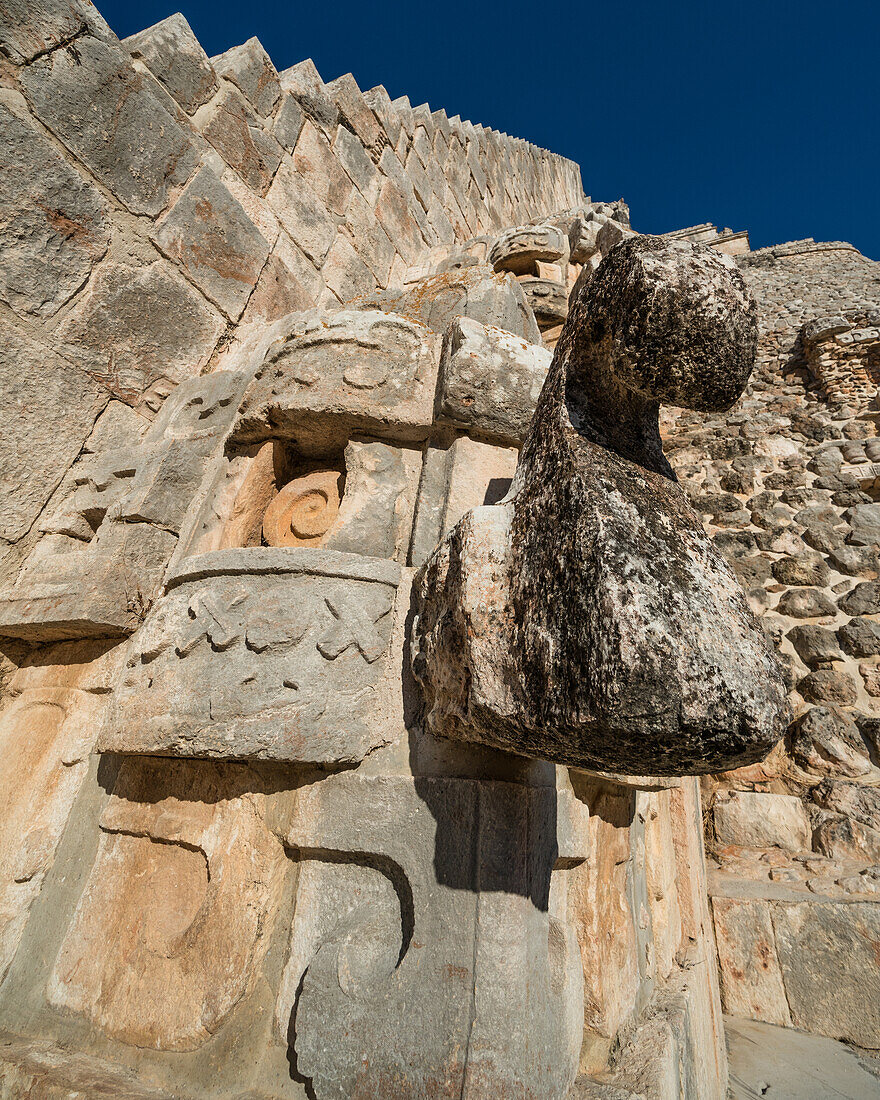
x=271 y=654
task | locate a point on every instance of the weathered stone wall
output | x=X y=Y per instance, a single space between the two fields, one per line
x=156 y=202
x=786 y=483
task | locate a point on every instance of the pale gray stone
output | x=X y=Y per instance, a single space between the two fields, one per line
x=470 y=914
x=31 y=27
x=105 y=112
x=71 y=590
x=490 y=380
x=54 y=225
x=230 y=125
x=828 y=958
x=49 y=409
x=290 y=665
x=376 y=513
x=548 y=299
x=249 y=67
x=174 y=56
x=342 y=372
x=136 y=325
x=767 y=1061
x=212 y=238
x=306 y=86
x=753 y=820
x=476 y=292
x=518 y=249
x=288 y=122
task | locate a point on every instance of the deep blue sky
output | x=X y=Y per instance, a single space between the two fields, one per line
x=758 y=115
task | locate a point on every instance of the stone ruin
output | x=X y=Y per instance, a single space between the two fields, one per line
x=397 y=700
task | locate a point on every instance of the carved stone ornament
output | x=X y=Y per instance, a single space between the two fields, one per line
x=588 y=620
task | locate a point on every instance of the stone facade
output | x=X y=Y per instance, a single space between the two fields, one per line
x=273 y=346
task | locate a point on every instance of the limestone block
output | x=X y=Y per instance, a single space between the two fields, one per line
x=174 y=56
x=472 y=939
x=50 y=408
x=54 y=225
x=315 y=161
x=338 y=373
x=370 y=241
x=288 y=122
x=209 y=234
x=344 y=272
x=65 y=591
x=115 y=532
x=175 y=917
x=582 y=240
x=289 y=283
x=304 y=83
x=490 y=381
x=752 y=820
x=47 y=730
x=302 y=213
x=548 y=299
x=828 y=956
x=751 y=978
x=107 y=114
x=519 y=248
x=249 y=67
x=262 y=653
x=355 y=112
x=361 y=170
x=31 y=27
x=230 y=125
x=825 y=741
x=457 y=475
x=476 y=292
x=377 y=509
x=136 y=325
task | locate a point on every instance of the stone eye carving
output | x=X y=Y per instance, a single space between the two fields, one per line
x=304 y=510
x=588 y=619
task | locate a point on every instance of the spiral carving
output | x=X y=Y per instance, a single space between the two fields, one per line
x=303 y=511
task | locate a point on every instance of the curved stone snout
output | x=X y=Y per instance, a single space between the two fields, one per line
x=588 y=619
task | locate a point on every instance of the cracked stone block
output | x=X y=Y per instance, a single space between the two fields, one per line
x=174 y=56
x=342 y=372
x=302 y=213
x=250 y=69
x=47 y=731
x=751 y=979
x=230 y=125
x=172 y=925
x=105 y=112
x=548 y=299
x=288 y=122
x=136 y=325
x=54 y=224
x=476 y=292
x=52 y=406
x=828 y=955
x=376 y=514
x=490 y=380
x=31 y=27
x=475 y=908
x=518 y=249
x=752 y=820
x=262 y=653
x=67 y=591
x=304 y=83
x=212 y=238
